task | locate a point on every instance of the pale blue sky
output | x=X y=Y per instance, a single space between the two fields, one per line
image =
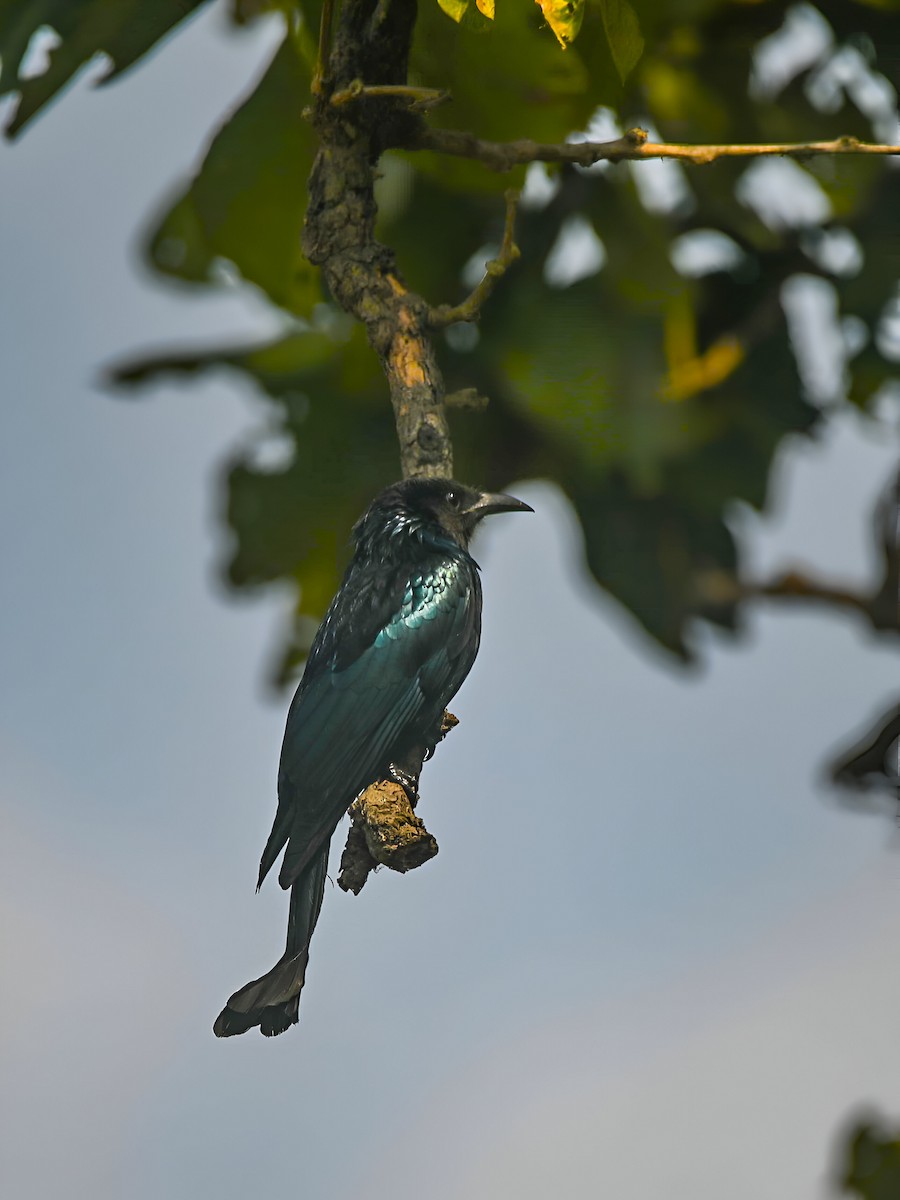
x=653 y=958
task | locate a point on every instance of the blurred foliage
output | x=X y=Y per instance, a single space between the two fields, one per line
x=245 y=205
x=655 y=391
x=871 y=1163
x=623 y=30
x=124 y=30
x=870 y=769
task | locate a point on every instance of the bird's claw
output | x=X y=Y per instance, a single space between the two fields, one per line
x=409 y=783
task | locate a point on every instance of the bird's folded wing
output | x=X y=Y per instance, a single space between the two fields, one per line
x=344 y=727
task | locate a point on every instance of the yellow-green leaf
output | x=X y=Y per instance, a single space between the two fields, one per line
x=564 y=17
x=623 y=32
x=506 y=77
x=486 y=8
x=455 y=8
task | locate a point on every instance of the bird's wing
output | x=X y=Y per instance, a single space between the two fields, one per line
x=344 y=727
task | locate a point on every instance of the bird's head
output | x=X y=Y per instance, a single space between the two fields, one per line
x=432 y=510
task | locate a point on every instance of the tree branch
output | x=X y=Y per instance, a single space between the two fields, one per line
x=384 y=829
x=326 y=25
x=418 y=98
x=632 y=146
x=718 y=588
x=372 y=43
x=880 y=607
x=793 y=586
x=470 y=308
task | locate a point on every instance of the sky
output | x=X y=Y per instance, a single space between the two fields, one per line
x=656 y=956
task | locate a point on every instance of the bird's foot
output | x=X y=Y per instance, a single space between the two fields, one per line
x=409 y=783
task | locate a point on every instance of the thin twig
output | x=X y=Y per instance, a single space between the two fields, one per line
x=795 y=586
x=418 y=98
x=325 y=25
x=494 y=270
x=632 y=146
x=469 y=398
x=720 y=588
x=881 y=606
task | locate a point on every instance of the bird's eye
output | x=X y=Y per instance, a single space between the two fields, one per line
x=454 y=498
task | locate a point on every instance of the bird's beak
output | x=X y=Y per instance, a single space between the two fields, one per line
x=496 y=502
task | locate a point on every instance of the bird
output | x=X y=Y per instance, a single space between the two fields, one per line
x=394 y=647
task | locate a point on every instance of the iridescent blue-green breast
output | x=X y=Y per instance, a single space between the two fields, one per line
x=428 y=595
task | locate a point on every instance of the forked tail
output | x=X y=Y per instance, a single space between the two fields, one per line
x=272 y=1001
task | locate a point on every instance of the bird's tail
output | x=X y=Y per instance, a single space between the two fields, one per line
x=272 y=1001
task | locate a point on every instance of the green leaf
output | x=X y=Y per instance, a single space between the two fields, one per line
x=871 y=1168
x=124 y=30
x=507 y=80
x=681 y=103
x=247 y=202
x=647 y=551
x=330 y=404
x=281 y=367
x=623 y=31
x=590 y=370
